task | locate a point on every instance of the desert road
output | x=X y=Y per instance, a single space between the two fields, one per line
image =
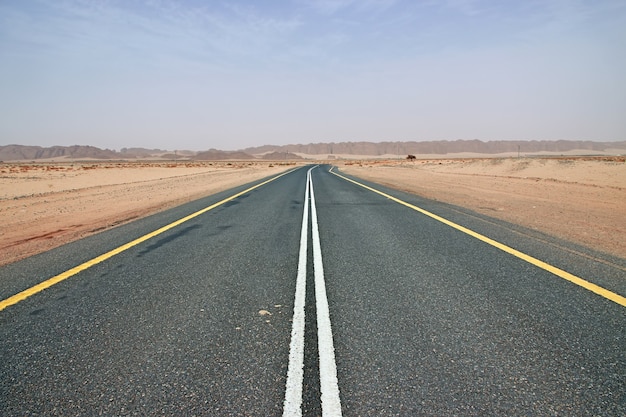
x=314 y=293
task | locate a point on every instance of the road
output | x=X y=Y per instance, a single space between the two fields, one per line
x=310 y=293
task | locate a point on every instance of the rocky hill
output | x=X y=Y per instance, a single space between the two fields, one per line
x=277 y=156
x=21 y=152
x=147 y=153
x=217 y=155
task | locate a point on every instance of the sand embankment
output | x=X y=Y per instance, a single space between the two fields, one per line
x=581 y=199
x=48 y=204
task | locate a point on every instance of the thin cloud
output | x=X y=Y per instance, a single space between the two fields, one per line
x=150 y=27
x=330 y=7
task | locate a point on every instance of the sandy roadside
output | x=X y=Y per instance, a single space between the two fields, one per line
x=578 y=199
x=43 y=206
x=582 y=200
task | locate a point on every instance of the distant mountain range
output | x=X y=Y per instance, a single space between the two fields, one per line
x=21 y=152
x=323 y=150
x=440 y=147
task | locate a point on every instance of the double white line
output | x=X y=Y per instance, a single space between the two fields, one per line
x=331 y=405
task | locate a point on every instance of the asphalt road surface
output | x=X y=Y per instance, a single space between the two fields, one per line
x=310 y=294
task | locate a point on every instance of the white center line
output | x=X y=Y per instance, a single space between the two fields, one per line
x=295 y=375
x=331 y=404
x=330 y=401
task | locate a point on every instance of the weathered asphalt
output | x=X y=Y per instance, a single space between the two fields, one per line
x=426 y=320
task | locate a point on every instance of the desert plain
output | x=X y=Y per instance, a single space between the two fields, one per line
x=578 y=199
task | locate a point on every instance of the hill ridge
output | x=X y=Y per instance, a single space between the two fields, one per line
x=323 y=149
x=437 y=147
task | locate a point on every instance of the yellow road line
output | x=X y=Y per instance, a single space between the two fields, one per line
x=71 y=272
x=543 y=265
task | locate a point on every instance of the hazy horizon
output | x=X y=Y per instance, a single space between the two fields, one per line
x=313 y=144
x=232 y=75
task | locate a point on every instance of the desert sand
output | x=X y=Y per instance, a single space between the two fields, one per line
x=579 y=199
x=45 y=205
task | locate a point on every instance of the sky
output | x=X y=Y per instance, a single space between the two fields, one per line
x=192 y=74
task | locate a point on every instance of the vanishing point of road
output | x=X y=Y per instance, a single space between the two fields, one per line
x=314 y=293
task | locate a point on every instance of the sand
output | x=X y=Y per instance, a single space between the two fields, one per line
x=45 y=205
x=579 y=199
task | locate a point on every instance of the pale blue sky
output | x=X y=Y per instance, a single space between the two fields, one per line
x=193 y=74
